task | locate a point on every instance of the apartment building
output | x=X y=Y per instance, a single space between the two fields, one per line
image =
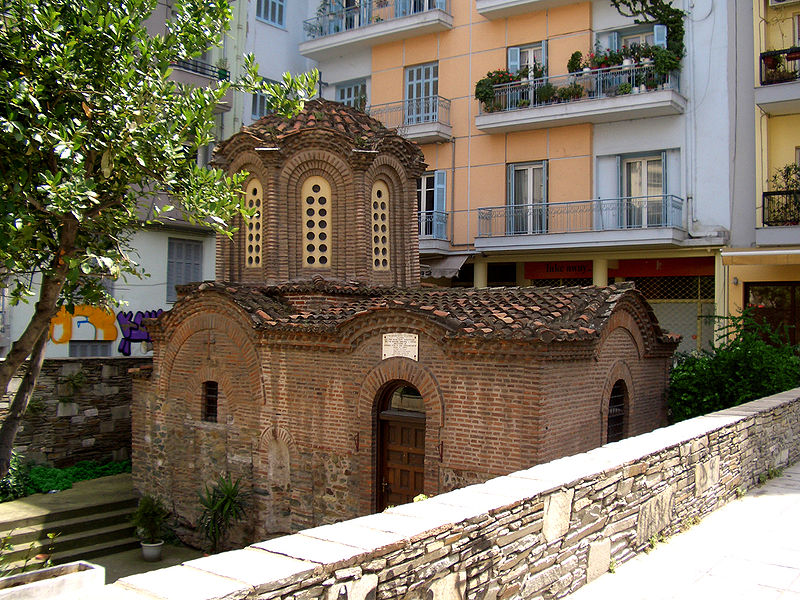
x=763 y=264
x=177 y=252
x=608 y=173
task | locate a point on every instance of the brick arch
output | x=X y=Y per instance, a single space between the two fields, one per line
x=204 y=316
x=371 y=389
x=338 y=173
x=403 y=229
x=619 y=370
x=628 y=320
x=383 y=320
x=282 y=494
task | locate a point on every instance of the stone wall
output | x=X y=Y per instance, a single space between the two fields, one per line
x=537 y=533
x=80 y=410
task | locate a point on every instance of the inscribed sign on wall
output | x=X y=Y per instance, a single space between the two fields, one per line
x=400 y=344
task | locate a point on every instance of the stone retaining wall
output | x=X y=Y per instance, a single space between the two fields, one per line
x=538 y=533
x=80 y=410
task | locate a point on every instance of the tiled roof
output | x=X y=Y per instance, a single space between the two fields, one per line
x=318 y=115
x=522 y=313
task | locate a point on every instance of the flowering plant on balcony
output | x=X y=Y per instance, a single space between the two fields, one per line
x=484 y=88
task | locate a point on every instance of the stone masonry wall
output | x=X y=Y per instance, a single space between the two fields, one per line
x=537 y=533
x=80 y=410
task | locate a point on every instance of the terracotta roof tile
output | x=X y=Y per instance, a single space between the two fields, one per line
x=534 y=313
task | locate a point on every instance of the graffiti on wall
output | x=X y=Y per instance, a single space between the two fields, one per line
x=83 y=317
x=102 y=325
x=132 y=328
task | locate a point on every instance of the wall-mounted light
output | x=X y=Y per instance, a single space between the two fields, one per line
x=735 y=281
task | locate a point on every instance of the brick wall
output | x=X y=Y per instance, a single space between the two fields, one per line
x=80 y=410
x=537 y=533
x=303 y=405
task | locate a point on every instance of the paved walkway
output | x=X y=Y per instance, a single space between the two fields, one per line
x=748 y=550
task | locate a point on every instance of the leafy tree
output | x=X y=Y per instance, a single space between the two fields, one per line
x=748 y=361
x=90 y=123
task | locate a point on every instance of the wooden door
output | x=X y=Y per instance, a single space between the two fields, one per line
x=402 y=457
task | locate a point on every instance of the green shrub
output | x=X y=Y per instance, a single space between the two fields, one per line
x=149 y=519
x=575 y=61
x=24 y=480
x=545 y=93
x=748 y=361
x=223 y=504
x=12 y=486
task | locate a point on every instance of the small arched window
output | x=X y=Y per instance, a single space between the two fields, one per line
x=616 y=412
x=210 y=400
x=254 y=197
x=380 y=226
x=315 y=215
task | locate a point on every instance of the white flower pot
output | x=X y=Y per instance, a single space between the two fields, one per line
x=152 y=552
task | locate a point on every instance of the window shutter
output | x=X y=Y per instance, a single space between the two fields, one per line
x=510 y=182
x=441 y=4
x=620 y=193
x=440 y=190
x=439 y=203
x=613 y=41
x=544 y=57
x=660 y=36
x=545 y=165
x=513 y=59
x=664 y=186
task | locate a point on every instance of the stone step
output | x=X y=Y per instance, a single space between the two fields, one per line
x=31 y=533
x=66 y=544
x=82 y=553
x=87 y=509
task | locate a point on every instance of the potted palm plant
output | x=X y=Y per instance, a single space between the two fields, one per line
x=223 y=504
x=149 y=522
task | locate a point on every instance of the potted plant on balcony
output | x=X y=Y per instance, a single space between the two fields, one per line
x=545 y=93
x=624 y=88
x=665 y=61
x=484 y=88
x=149 y=522
x=786 y=180
x=574 y=62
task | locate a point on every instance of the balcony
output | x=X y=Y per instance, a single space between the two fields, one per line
x=498 y=9
x=779 y=75
x=424 y=120
x=780 y=217
x=433 y=231
x=372 y=22
x=606 y=95
x=629 y=221
x=196 y=73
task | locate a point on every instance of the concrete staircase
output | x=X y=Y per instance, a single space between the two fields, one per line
x=88 y=522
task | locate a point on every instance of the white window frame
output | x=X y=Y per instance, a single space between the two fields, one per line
x=184 y=269
x=641 y=208
x=272 y=12
x=432 y=205
x=514 y=56
x=353 y=93
x=528 y=216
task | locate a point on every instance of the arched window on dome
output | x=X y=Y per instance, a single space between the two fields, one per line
x=315 y=215
x=254 y=198
x=380 y=226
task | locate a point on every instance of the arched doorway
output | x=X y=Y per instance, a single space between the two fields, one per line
x=615 y=427
x=401 y=445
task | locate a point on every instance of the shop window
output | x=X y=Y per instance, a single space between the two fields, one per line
x=776 y=305
x=316 y=222
x=210 y=401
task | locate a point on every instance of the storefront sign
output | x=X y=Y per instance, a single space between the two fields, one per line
x=558 y=269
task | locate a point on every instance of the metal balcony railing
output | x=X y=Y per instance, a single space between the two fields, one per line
x=432 y=109
x=202 y=68
x=335 y=18
x=778 y=66
x=433 y=225
x=604 y=214
x=781 y=208
x=575 y=87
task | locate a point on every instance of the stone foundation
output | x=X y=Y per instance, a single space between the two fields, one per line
x=538 y=533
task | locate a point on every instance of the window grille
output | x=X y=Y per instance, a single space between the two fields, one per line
x=316 y=222
x=254 y=198
x=210 y=398
x=616 y=412
x=89 y=348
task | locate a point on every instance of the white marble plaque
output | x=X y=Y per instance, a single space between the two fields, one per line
x=401 y=344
